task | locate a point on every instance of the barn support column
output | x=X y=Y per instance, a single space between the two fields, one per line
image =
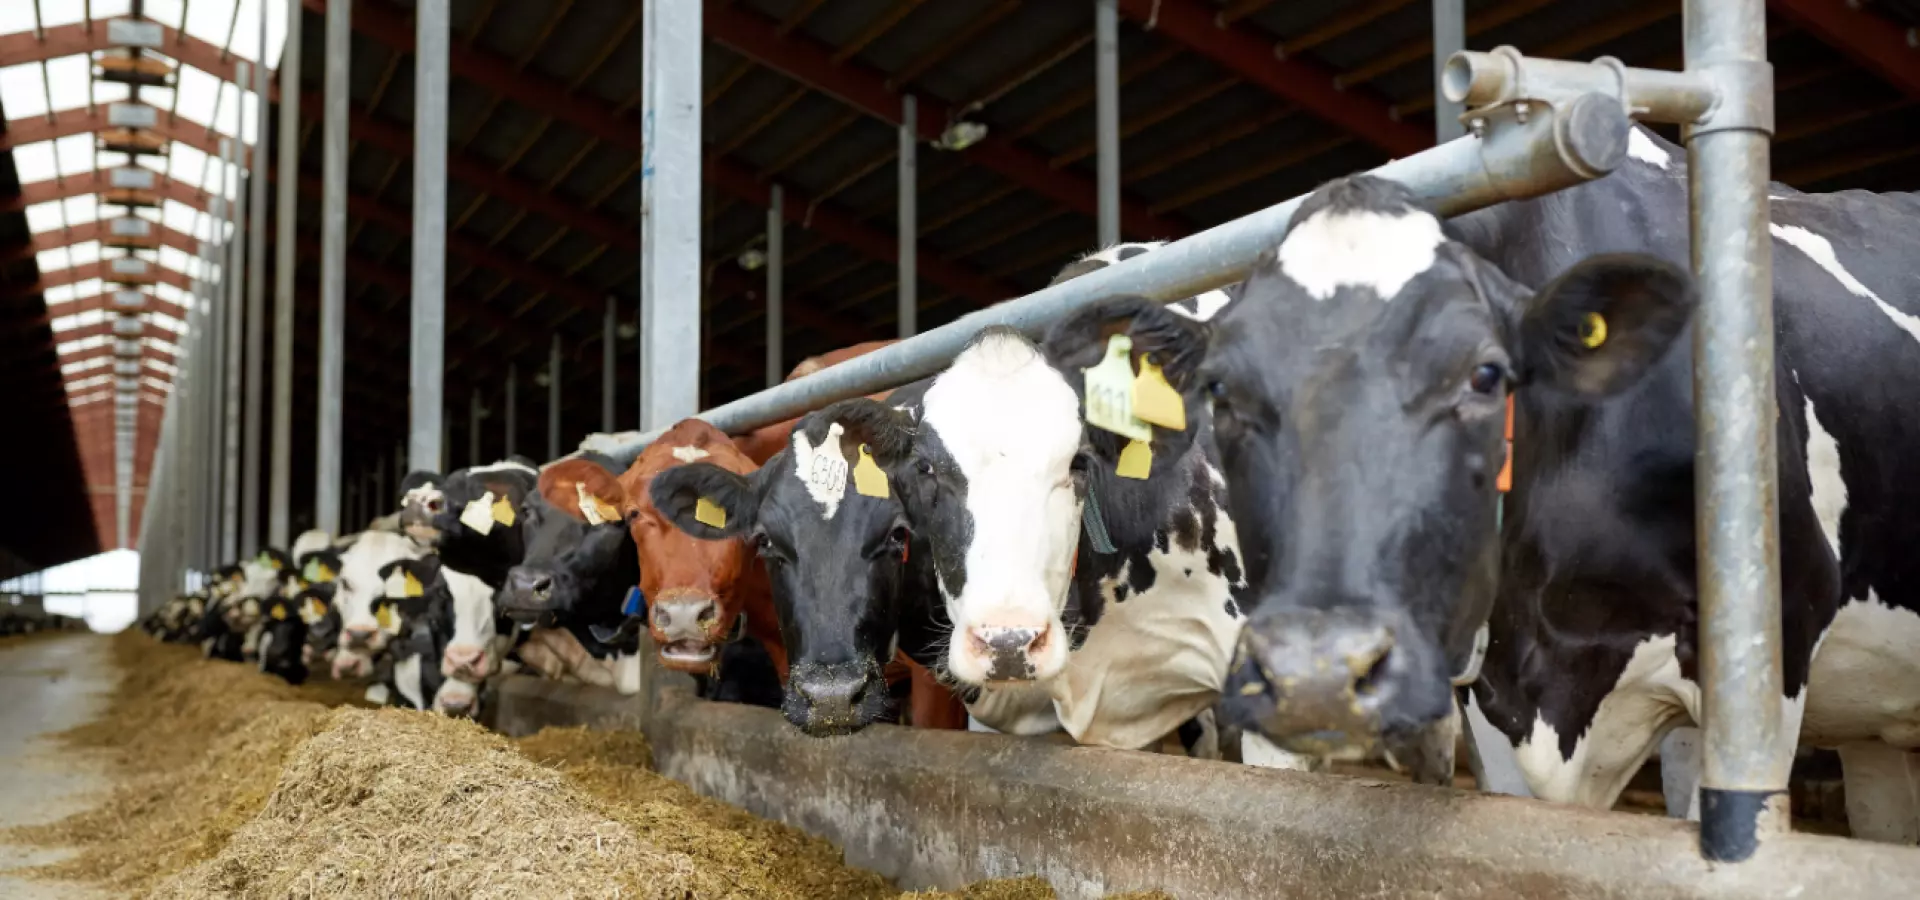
x=1106 y=71
x=280 y=465
x=381 y=495
x=232 y=287
x=512 y=428
x=427 y=366
x=1744 y=772
x=553 y=399
x=333 y=267
x=473 y=429
x=776 y=286
x=1449 y=37
x=909 y=228
x=609 y=358
x=256 y=393
x=670 y=213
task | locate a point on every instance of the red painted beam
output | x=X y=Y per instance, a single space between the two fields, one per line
x=67 y=40
x=43 y=241
x=1242 y=51
x=1879 y=44
x=97 y=352
x=80 y=120
x=84 y=271
x=103 y=301
x=82 y=183
x=811 y=63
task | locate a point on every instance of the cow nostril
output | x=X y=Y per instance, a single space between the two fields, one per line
x=542 y=585
x=977 y=644
x=707 y=615
x=661 y=618
x=1373 y=677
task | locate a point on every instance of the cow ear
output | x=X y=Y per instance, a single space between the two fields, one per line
x=1599 y=327
x=570 y=482
x=705 y=501
x=1174 y=342
x=886 y=431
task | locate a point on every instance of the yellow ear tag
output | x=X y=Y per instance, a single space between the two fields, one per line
x=1109 y=387
x=478 y=514
x=503 y=512
x=1155 y=401
x=1593 y=330
x=868 y=480
x=709 y=513
x=324 y=572
x=1135 y=461
x=279 y=612
x=413 y=588
x=385 y=618
x=607 y=512
x=313 y=611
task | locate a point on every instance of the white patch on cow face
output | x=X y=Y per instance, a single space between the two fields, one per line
x=1642 y=148
x=406 y=678
x=1820 y=250
x=262 y=581
x=1865 y=681
x=690 y=454
x=505 y=465
x=822 y=469
x=312 y=541
x=1205 y=305
x=359 y=583
x=1823 y=470
x=473 y=628
x=1359 y=248
x=264 y=648
x=1012 y=427
x=1649 y=697
x=456 y=695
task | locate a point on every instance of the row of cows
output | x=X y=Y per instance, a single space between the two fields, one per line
x=1382 y=486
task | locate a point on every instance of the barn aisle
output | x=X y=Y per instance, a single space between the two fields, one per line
x=47 y=685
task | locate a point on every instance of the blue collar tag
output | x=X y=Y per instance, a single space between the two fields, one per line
x=635 y=604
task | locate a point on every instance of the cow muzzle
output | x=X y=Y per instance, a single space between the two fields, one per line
x=352 y=664
x=466 y=662
x=686 y=625
x=1326 y=682
x=837 y=699
x=1004 y=649
x=530 y=597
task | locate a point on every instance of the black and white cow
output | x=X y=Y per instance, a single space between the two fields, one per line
x=1847 y=318
x=421 y=502
x=572 y=577
x=356 y=588
x=314 y=604
x=475 y=526
x=281 y=646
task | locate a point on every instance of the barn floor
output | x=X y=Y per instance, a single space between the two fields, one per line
x=49 y=684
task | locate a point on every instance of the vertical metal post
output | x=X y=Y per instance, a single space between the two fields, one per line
x=1745 y=768
x=235 y=283
x=1106 y=68
x=399 y=467
x=1449 y=37
x=909 y=227
x=553 y=400
x=609 y=359
x=473 y=430
x=427 y=365
x=670 y=279
x=513 y=410
x=383 y=501
x=280 y=468
x=333 y=267
x=256 y=312
x=776 y=287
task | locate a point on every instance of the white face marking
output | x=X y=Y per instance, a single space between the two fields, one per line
x=406 y=677
x=262 y=580
x=690 y=454
x=1649 y=695
x=1642 y=148
x=310 y=542
x=1829 y=490
x=1012 y=425
x=505 y=465
x=265 y=647
x=1865 y=681
x=822 y=469
x=1205 y=306
x=1820 y=250
x=1359 y=248
x=472 y=616
x=456 y=693
x=359 y=583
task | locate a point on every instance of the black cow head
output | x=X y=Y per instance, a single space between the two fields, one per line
x=477 y=525
x=282 y=646
x=567 y=563
x=1358 y=390
x=421 y=503
x=833 y=532
x=314 y=604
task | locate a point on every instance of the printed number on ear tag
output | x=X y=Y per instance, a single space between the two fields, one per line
x=503 y=512
x=868 y=480
x=478 y=515
x=1109 y=388
x=1135 y=461
x=1593 y=330
x=709 y=513
x=1155 y=401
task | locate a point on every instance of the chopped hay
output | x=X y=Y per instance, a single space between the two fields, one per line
x=234 y=784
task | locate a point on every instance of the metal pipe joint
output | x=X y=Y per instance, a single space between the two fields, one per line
x=1504 y=75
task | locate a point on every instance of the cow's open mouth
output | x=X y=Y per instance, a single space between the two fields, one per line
x=690 y=653
x=529 y=618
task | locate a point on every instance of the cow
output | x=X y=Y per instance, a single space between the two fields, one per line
x=281 y=647
x=314 y=603
x=264 y=578
x=472 y=522
x=421 y=501
x=356 y=588
x=446 y=619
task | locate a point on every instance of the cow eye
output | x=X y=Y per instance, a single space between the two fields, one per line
x=1218 y=389
x=899 y=536
x=924 y=468
x=1487 y=378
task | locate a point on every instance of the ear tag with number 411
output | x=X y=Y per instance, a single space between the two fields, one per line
x=1109 y=387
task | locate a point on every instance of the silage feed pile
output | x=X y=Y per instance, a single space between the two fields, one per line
x=233 y=784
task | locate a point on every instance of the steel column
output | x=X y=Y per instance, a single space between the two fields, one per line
x=776 y=286
x=513 y=410
x=909 y=227
x=233 y=282
x=427 y=358
x=256 y=388
x=333 y=267
x=280 y=468
x=1449 y=37
x=473 y=429
x=1744 y=772
x=387 y=502
x=609 y=359
x=670 y=282
x=1106 y=70
x=553 y=399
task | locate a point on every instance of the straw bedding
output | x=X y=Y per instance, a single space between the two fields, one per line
x=234 y=784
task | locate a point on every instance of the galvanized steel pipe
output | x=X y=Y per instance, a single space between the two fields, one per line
x=233 y=284
x=670 y=271
x=256 y=286
x=287 y=205
x=1106 y=127
x=907 y=310
x=427 y=353
x=776 y=286
x=333 y=267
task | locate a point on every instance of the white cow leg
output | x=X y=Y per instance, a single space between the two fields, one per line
x=1680 y=772
x=1883 y=792
x=1490 y=754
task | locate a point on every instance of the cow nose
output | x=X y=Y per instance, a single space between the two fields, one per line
x=359 y=636
x=832 y=703
x=1008 y=652
x=465 y=661
x=685 y=618
x=531 y=583
x=1316 y=682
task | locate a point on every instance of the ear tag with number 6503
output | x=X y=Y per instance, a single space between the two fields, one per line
x=1109 y=387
